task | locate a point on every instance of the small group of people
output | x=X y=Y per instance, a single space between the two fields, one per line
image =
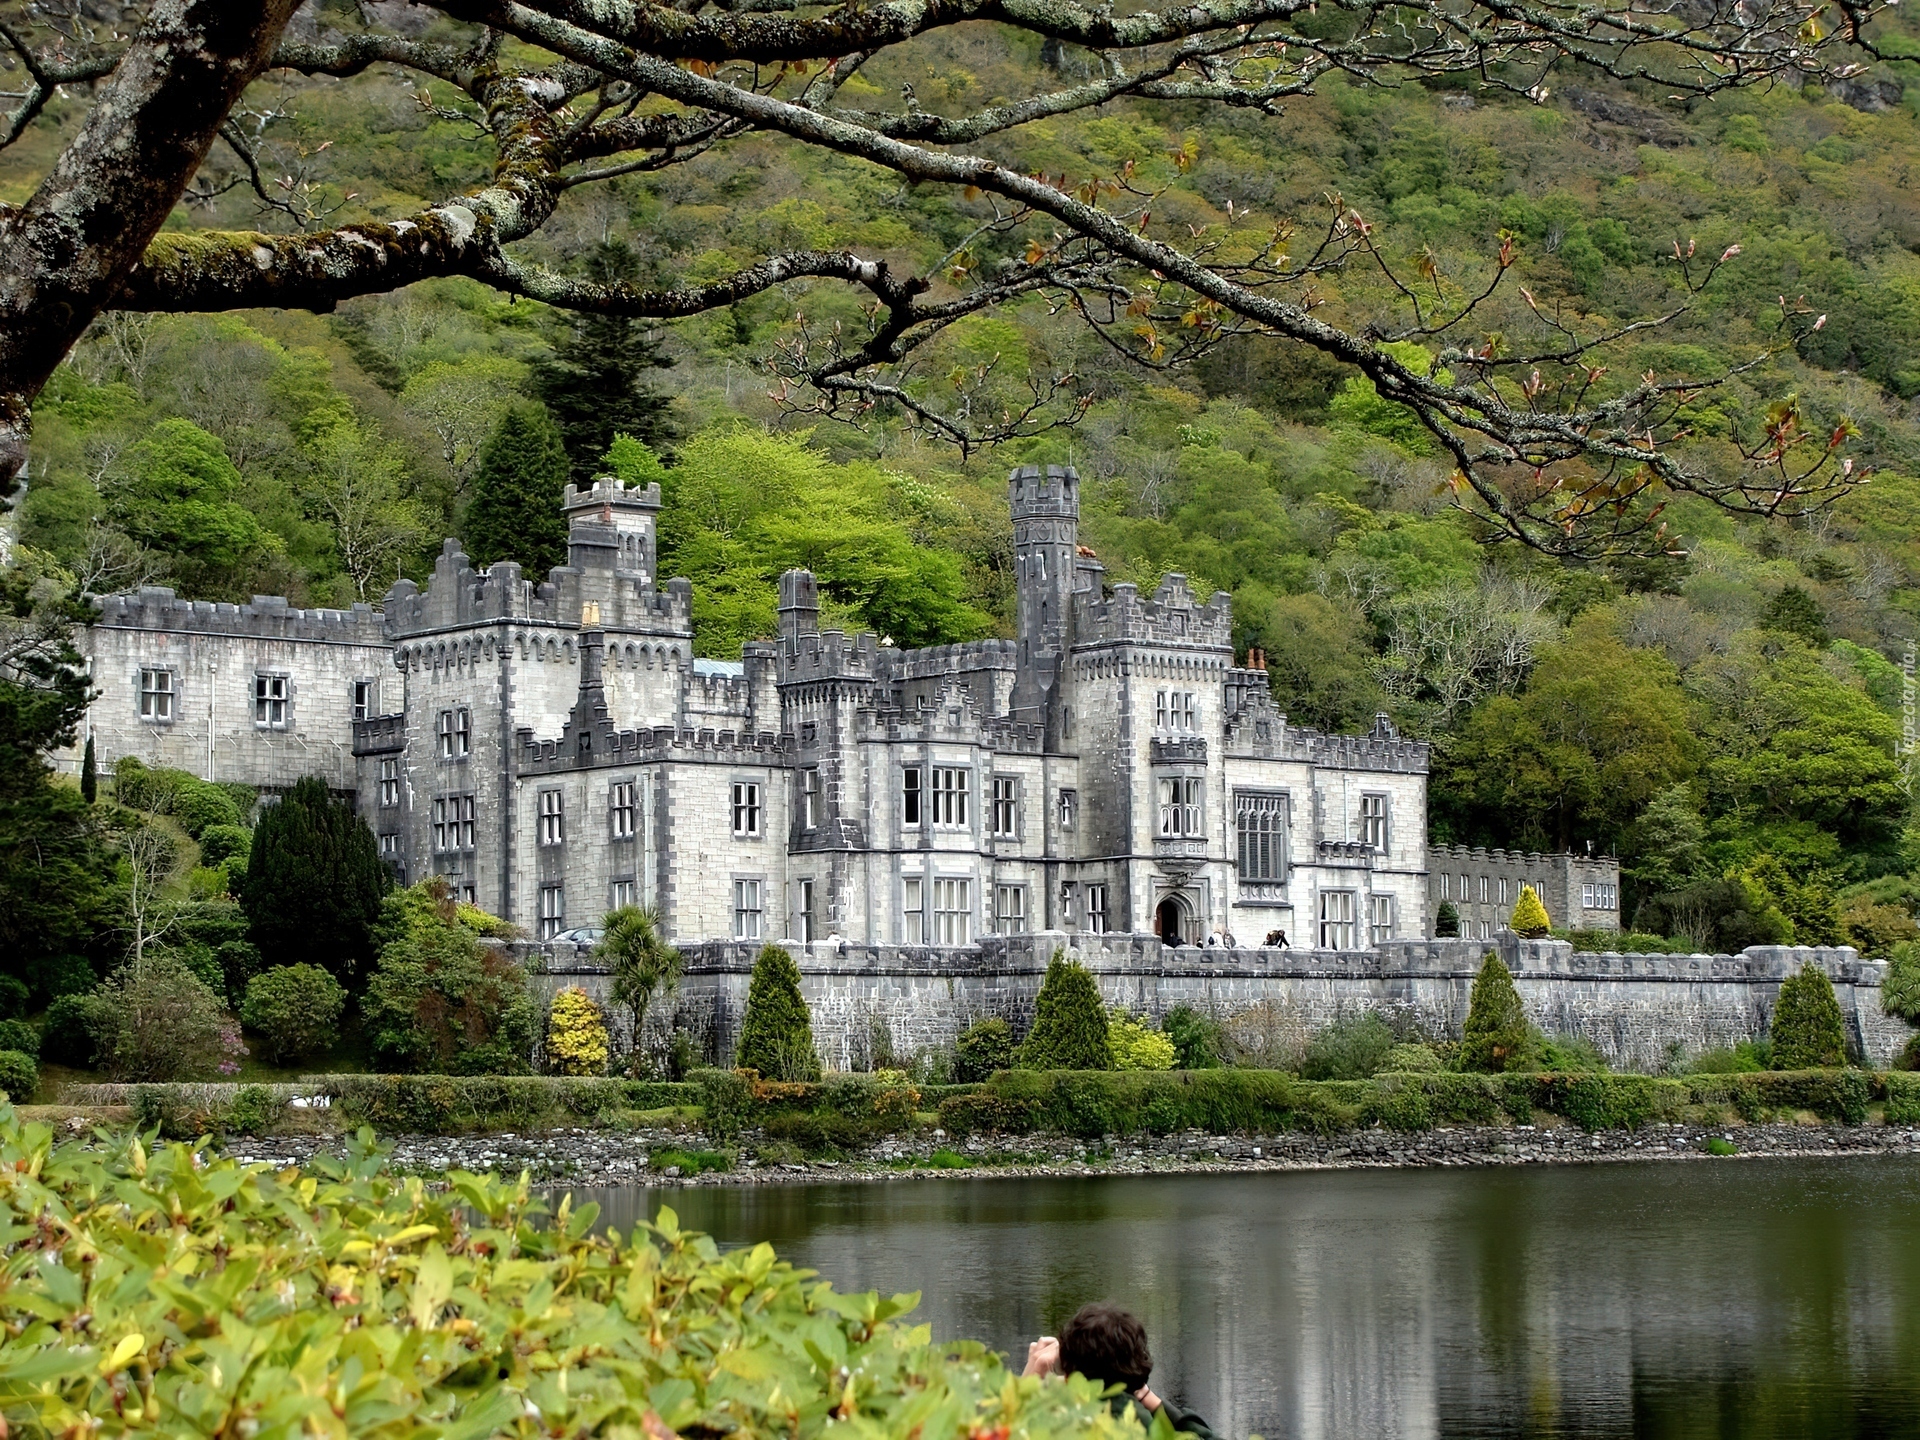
x=1223 y=939
x=1107 y=1344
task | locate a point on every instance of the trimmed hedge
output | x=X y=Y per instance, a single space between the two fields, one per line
x=1092 y=1103
x=448 y=1104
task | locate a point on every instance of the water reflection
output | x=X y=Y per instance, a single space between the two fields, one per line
x=1738 y=1298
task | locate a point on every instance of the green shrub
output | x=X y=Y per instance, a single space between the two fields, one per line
x=819 y=1132
x=1742 y=1059
x=776 y=1035
x=577 y=1042
x=1900 y=994
x=1903 y=1098
x=1069 y=1022
x=689 y=1162
x=452 y=1104
x=659 y=1331
x=160 y=1021
x=1353 y=1047
x=1408 y=1058
x=19 y=1076
x=200 y=807
x=1091 y=1104
x=1199 y=1041
x=255 y=1111
x=65 y=1037
x=1568 y=1052
x=885 y=1101
x=295 y=1010
x=1529 y=919
x=1134 y=1046
x=441 y=1001
x=1446 y=921
x=727 y=1101
x=19 y=1035
x=1807 y=1031
x=221 y=843
x=982 y=1048
x=14 y=997
x=1497 y=1036
x=983 y=1112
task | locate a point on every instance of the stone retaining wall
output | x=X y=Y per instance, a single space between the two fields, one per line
x=1641 y=1011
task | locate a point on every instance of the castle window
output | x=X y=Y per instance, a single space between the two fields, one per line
x=553 y=911
x=621 y=894
x=362 y=699
x=747 y=910
x=1485 y=888
x=1503 y=889
x=453 y=824
x=806 y=911
x=1069 y=808
x=623 y=808
x=1380 y=918
x=389 y=847
x=746 y=809
x=553 y=817
x=1609 y=897
x=952 y=912
x=1336 y=920
x=1587 y=893
x=1010 y=909
x=910 y=795
x=389 y=784
x=1175 y=710
x=1441 y=880
x=1006 y=807
x=1373 y=821
x=950 y=788
x=156 y=695
x=810 y=798
x=455 y=733
x=1180 y=807
x=1261 y=825
x=1097 y=909
x=913 y=911
x=270 y=701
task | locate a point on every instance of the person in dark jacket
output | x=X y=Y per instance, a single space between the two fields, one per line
x=1105 y=1343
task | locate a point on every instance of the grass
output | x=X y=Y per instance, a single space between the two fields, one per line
x=1718 y=1146
x=691 y=1162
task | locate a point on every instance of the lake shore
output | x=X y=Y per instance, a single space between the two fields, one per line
x=665 y=1157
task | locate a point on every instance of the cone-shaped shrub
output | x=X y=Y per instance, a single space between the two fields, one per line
x=1069 y=1022
x=576 y=1035
x=1446 y=921
x=1530 y=920
x=1496 y=1034
x=1808 y=1033
x=776 y=1037
x=314 y=884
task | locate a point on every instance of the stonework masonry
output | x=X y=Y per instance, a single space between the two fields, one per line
x=1581 y=892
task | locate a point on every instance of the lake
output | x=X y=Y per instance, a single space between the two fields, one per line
x=1725 y=1298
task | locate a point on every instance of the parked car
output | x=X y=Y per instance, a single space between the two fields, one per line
x=580 y=935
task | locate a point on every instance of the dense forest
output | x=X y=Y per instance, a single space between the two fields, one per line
x=1727 y=717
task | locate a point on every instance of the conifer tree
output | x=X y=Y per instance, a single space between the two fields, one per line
x=1530 y=920
x=518 y=488
x=594 y=385
x=1808 y=1032
x=1496 y=1036
x=314 y=884
x=1446 y=921
x=776 y=1035
x=1069 y=1022
x=89 y=775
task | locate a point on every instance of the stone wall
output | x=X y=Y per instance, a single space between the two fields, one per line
x=1641 y=1011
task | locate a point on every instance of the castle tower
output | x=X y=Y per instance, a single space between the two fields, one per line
x=1046 y=530
x=799 y=606
x=610 y=528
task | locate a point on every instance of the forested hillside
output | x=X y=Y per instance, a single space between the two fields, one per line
x=1727 y=717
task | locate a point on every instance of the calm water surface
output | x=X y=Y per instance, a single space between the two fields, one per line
x=1738 y=1298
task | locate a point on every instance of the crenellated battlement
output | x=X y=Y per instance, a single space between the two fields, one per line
x=609 y=495
x=1172 y=617
x=938 y=660
x=1043 y=491
x=1382 y=748
x=649 y=746
x=265 y=617
x=457 y=595
x=829 y=655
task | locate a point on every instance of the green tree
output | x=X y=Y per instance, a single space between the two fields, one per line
x=982 y=1048
x=1496 y=1037
x=1664 y=850
x=159 y=1021
x=594 y=385
x=439 y=1000
x=1795 y=612
x=1319 y=664
x=776 y=1033
x=314 y=883
x=1901 y=993
x=89 y=775
x=1446 y=921
x=295 y=1010
x=642 y=962
x=1808 y=1032
x=178 y=494
x=518 y=487
x=1199 y=1041
x=1529 y=919
x=1069 y=1022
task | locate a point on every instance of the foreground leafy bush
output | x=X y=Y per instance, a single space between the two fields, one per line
x=295 y=1010
x=368 y=1305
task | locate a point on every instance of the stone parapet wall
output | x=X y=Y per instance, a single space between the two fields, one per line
x=1643 y=1012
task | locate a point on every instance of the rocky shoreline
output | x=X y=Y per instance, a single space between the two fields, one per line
x=670 y=1157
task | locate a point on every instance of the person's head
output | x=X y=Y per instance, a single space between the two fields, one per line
x=1105 y=1343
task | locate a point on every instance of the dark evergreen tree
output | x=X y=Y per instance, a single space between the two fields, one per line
x=89 y=775
x=314 y=884
x=1446 y=921
x=1069 y=1022
x=518 y=488
x=1796 y=612
x=1496 y=1037
x=595 y=384
x=1808 y=1032
x=776 y=1035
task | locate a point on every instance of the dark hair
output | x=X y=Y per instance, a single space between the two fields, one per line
x=1105 y=1343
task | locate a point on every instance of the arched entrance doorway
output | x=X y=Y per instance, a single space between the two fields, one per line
x=1170 y=920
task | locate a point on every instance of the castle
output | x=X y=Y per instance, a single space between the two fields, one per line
x=555 y=749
